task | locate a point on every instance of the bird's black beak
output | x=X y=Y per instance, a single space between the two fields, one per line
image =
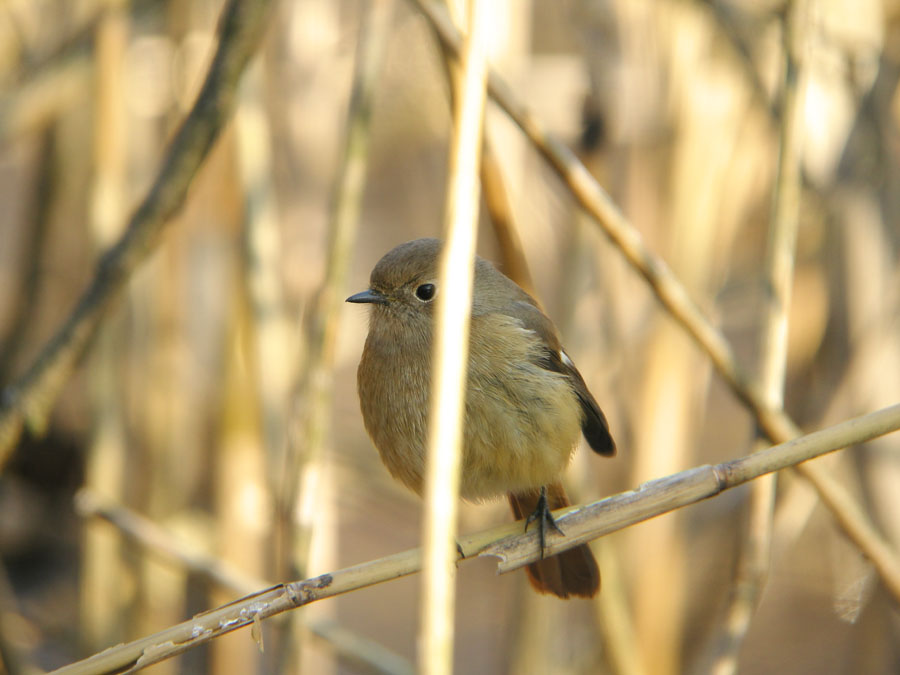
x=369 y=296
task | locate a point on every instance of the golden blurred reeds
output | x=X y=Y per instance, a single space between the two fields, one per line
x=227 y=359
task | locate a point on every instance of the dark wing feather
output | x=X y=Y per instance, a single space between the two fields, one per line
x=594 y=425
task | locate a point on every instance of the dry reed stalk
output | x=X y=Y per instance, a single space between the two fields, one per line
x=261 y=247
x=302 y=488
x=272 y=349
x=456 y=272
x=755 y=558
x=27 y=291
x=103 y=605
x=675 y=387
x=242 y=515
x=512 y=256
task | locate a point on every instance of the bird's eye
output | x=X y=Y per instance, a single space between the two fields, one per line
x=425 y=292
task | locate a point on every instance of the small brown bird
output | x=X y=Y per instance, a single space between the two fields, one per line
x=526 y=403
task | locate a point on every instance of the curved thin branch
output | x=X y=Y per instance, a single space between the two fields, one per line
x=515 y=548
x=32 y=398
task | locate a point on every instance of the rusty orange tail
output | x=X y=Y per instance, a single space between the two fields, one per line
x=572 y=572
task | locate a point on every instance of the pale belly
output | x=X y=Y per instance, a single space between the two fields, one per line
x=522 y=424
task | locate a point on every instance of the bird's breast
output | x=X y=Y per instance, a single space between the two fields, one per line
x=521 y=420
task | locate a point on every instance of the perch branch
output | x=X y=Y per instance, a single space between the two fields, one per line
x=367 y=655
x=515 y=548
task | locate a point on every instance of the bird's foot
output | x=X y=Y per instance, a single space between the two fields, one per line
x=544 y=517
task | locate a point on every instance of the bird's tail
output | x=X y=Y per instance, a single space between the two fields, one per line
x=572 y=572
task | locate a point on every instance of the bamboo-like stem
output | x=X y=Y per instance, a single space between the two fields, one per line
x=302 y=467
x=273 y=342
x=449 y=368
x=101 y=603
x=512 y=260
x=261 y=249
x=515 y=548
x=26 y=293
x=314 y=401
x=687 y=487
x=31 y=399
x=672 y=294
x=349 y=646
x=512 y=255
x=754 y=562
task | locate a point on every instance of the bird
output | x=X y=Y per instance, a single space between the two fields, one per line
x=526 y=404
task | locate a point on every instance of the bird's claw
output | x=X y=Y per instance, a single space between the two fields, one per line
x=545 y=519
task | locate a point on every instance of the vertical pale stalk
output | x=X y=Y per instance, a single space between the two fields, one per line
x=267 y=321
x=504 y=151
x=675 y=378
x=451 y=356
x=307 y=491
x=346 y=207
x=262 y=246
x=102 y=601
x=239 y=476
x=494 y=189
x=753 y=566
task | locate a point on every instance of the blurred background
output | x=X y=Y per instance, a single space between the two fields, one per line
x=216 y=416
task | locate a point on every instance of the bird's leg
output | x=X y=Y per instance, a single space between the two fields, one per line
x=544 y=517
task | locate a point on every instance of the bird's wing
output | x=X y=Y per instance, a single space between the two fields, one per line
x=594 y=425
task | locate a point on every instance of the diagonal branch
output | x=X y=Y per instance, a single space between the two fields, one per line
x=514 y=547
x=775 y=423
x=31 y=400
x=352 y=648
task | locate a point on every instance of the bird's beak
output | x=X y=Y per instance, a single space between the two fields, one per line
x=369 y=296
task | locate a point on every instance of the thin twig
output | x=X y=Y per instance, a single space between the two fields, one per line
x=314 y=393
x=753 y=565
x=31 y=400
x=672 y=294
x=299 y=476
x=515 y=548
x=31 y=255
x=349 y=646
x=496 y=199
x=102 y=564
